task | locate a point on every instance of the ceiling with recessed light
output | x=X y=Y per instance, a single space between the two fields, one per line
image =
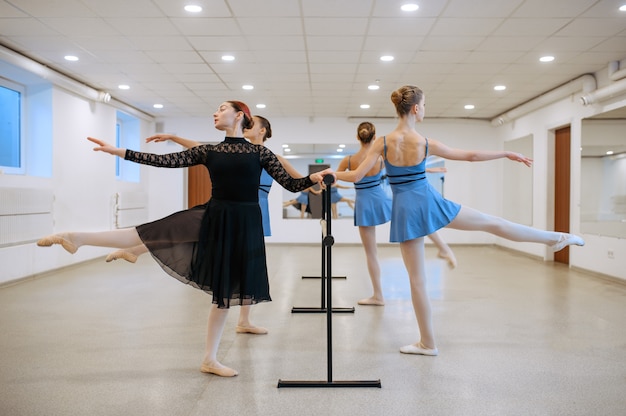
x=318 y=58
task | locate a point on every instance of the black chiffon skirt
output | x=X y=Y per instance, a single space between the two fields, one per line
x=217 y=247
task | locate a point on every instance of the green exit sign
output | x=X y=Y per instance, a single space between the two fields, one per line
x=319 y=160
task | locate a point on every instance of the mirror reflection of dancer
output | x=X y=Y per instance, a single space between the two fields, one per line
x=192 y=218
x=373 y=207
x=302 y=200
x=228 y=261
x=336 y=197
x=404 y=151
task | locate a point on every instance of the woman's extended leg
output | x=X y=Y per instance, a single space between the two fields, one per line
x=445 y=252
x=368 y=238
x=414 y=261
x=122 y=238
x=217 y=319
x=470 y=219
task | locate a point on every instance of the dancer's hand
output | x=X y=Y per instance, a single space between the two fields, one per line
x=318 y=177
x=518 y=157
x=160 y=138
x=107 y=148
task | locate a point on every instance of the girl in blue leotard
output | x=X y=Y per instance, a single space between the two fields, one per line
x=373 y=207
x=419 y=210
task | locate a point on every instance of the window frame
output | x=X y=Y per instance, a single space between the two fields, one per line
x=21 y=89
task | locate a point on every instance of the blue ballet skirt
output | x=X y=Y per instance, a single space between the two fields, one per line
x=303 y=198
x=372 y=206
x=418 y=209
x=264 y=191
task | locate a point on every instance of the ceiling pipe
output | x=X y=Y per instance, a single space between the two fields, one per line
x=616 y=88
x=615 y=73
x=63 y=81
x=585 y=83
x=53 y=76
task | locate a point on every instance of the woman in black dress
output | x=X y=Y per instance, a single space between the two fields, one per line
x=228 y=261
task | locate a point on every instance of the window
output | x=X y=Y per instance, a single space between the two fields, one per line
x=127 y=131
x=11 y=138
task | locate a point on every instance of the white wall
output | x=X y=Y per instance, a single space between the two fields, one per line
x=541 y=124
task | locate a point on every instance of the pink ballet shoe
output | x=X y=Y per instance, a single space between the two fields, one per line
x=567 y=240
x=256 y=330
x=57 y=239
x=371 y=302
x=122 y=254
x=449 y=257
x=221 y=371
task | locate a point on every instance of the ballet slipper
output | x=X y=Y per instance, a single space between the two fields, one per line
x=57 y=239
x=567 y=240
x=371 y=302
x=122 y=254
x=449 y=257
x=257 y=330
x=219 y=370
x=418 y=350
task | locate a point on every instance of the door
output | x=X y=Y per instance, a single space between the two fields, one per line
x=315 y=201
x=562 y=186
x=198 y=185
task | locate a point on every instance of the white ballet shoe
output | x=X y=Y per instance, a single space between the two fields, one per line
x=57 y=239
x=567 y=240
x=416 y=349
x=122 y=254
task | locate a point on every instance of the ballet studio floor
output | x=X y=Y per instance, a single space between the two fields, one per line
x=516 y=336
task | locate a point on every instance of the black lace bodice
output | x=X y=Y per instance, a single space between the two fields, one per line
x=234 y=165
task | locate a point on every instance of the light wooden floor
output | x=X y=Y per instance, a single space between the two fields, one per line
x=516 y=336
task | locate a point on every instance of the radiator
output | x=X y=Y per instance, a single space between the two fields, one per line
x=130 y=209
x=25 y=215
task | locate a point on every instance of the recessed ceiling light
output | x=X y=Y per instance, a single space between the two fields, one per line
x=71 y=58
x=610 y=152
x=469 y=106
x=365 y=106
x=342 y=145
x=286 y=149
x=622 y=8
x=228 y=58
x=373 y=87
x=260 y=106
x=500 y=87
x=158 y=106
x=192 y=8
x=386 y=58
x=285 y=145
x=123 y=87
x=409 y=7
x=248 y=87
x=547 y=58
x=340 y=150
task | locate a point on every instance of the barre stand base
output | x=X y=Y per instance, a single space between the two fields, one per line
x=304 y=383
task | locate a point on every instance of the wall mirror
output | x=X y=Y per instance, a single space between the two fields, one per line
x=308 y=158
x=603 y=174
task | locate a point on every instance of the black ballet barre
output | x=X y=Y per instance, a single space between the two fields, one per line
x=327 y=243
